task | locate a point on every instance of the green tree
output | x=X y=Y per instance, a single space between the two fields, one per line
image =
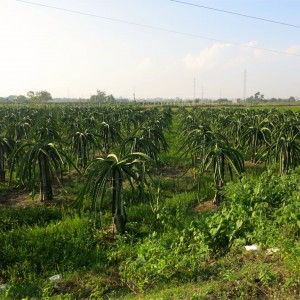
x=256 y=136
x=31 y=95
x=219 y=156
x=6 y=147
x=109 y=135
x=195 y=142
x=285 y=150
x=81 y=144
x=110 y=98
x=42 y=96
x=101 y=97
x=136 y=143
x=115 y=170
x=18 y=130
x=39 y=163
x=21 y=99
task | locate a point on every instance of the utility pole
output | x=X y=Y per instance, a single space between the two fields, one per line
x=194 y=88
x=245 y=84
x=202 y=94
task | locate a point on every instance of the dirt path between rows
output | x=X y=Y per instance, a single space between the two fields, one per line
x=14 y=198
x=205 y=206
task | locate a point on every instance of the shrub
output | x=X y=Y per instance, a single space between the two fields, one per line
x=257 y=211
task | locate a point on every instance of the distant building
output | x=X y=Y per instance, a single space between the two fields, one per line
x=122 y=100
x=12 y=98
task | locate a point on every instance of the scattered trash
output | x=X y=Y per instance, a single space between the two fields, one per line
x=253 y=247
x=56 y=287
x=141 y=260
x=4 y=286
x=55 y=277
x=270 y=251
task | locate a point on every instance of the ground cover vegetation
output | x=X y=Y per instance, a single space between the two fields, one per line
x=134 y=202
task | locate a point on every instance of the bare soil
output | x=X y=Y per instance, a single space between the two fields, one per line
x=249 y=163
x=14 y=198
x=205 y=206
x=169 y=171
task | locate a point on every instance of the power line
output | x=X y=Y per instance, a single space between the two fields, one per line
x=245 y=84
x=235 y=13
x=156 y=28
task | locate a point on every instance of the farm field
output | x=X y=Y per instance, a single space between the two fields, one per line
x=135 y=202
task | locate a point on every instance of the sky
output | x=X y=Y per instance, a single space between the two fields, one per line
x=150 y=48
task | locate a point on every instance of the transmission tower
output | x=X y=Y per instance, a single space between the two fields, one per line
x=194 y=88
x=245 y=84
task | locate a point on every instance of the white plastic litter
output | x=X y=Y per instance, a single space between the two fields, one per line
x=141 y=260
x=55 y=277
x=270 y=251
x=253 y=247
x=4 y=286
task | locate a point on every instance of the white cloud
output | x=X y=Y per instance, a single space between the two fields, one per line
x=253 y=48
x=237 y=61
x=207 y=58
x=240 y=56
x=223 y=55
x=295 y=49
x=249 y=44
x=145 y=65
